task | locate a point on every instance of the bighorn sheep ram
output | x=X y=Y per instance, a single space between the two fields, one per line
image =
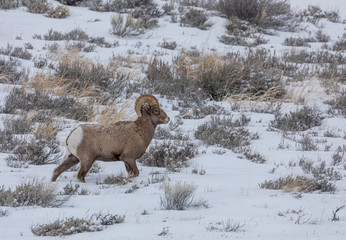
x=121 y=141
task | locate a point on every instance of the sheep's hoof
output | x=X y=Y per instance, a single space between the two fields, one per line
x=131 y=175
x=81 y=180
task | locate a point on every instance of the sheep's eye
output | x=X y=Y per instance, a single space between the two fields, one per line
x=156 y=111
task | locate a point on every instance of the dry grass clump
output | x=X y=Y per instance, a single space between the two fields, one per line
x=225 y=132
x=36 y=6
x=32 y=193
x=119 y=179
x=255 y=75
x=340 y=45
x=300 y=184
x=180 y=196
x=226 y=226
x=300 y=120
x=173 y=155
x=72 y=225
x=57 y=12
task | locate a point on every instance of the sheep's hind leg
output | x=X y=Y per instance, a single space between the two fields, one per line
x=83 y=169
x=69 y=162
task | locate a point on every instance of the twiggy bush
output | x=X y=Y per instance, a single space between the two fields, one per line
x=42 y=149
x=300 y=184
x=314 y=14
x=297 y=42
x=36 y=6
x=17 y=52
x=301 y=120
x=8 y=142
x=225 y=133
x=253 y=75
x=32 y=193
x=226 y=226
x=8 y=4
x=180 y=196
x=61 y=106
x=130 y=27
x=194 y=18
x=338 y=105
x=10 y=73
x=69 y=226
x=275 y=14
x=319 y=172
x=316 y=57
x=20 y=125
x=119 y=179
x=172 y=155
x=57 y=12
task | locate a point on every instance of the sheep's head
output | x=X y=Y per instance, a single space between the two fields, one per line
x=148 y=104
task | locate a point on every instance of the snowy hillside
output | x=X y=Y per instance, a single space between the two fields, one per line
x=257 y=138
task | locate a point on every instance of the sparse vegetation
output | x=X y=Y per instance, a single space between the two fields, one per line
x=172 y=155
x=226 y=226
x=57 y=12
x=300 y=184
x=194 y=18
x=225 y=132
x=31 y=193
x=129 y=27
x=72 y=225
x=301 y=120
x=180 y=196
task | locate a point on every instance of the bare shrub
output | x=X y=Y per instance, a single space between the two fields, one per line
x=36 y=6
x=300 y=120
x=339 y=155
x=275 y=14
x=317 y=57
x=17 y=52
x=172 y=155
x=69 y=190
x=338 y=105
x=180 y=196
x=297 y=42
x=148 y=16
x=119 y=179
x=8 y=142
x=10 y=71
x=300 y=184
x=225 y=133
x=320 y=171
x=306 y=143
x=314 y=14
x=9 y=4
x=322 y=37
x=168 y=45
x=32 y=193
x=71 y=2
x=20 y=125
x=226 y=226
x=194 y=18
x=340 y=45
x=57 y=12
x=130 y=27
x=253 y=75
x=61 y=106
x=42 y=149
x=69 y=226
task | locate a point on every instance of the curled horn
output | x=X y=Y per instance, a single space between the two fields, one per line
x=146 y=98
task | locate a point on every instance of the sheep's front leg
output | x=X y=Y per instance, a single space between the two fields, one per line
x=85 y=165
x=131 y=168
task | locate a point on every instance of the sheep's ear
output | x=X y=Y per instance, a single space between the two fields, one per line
x=145 y=108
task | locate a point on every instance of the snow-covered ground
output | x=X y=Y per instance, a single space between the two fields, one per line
x=230 y=184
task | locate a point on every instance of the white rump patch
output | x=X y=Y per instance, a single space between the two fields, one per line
x=74 y=140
